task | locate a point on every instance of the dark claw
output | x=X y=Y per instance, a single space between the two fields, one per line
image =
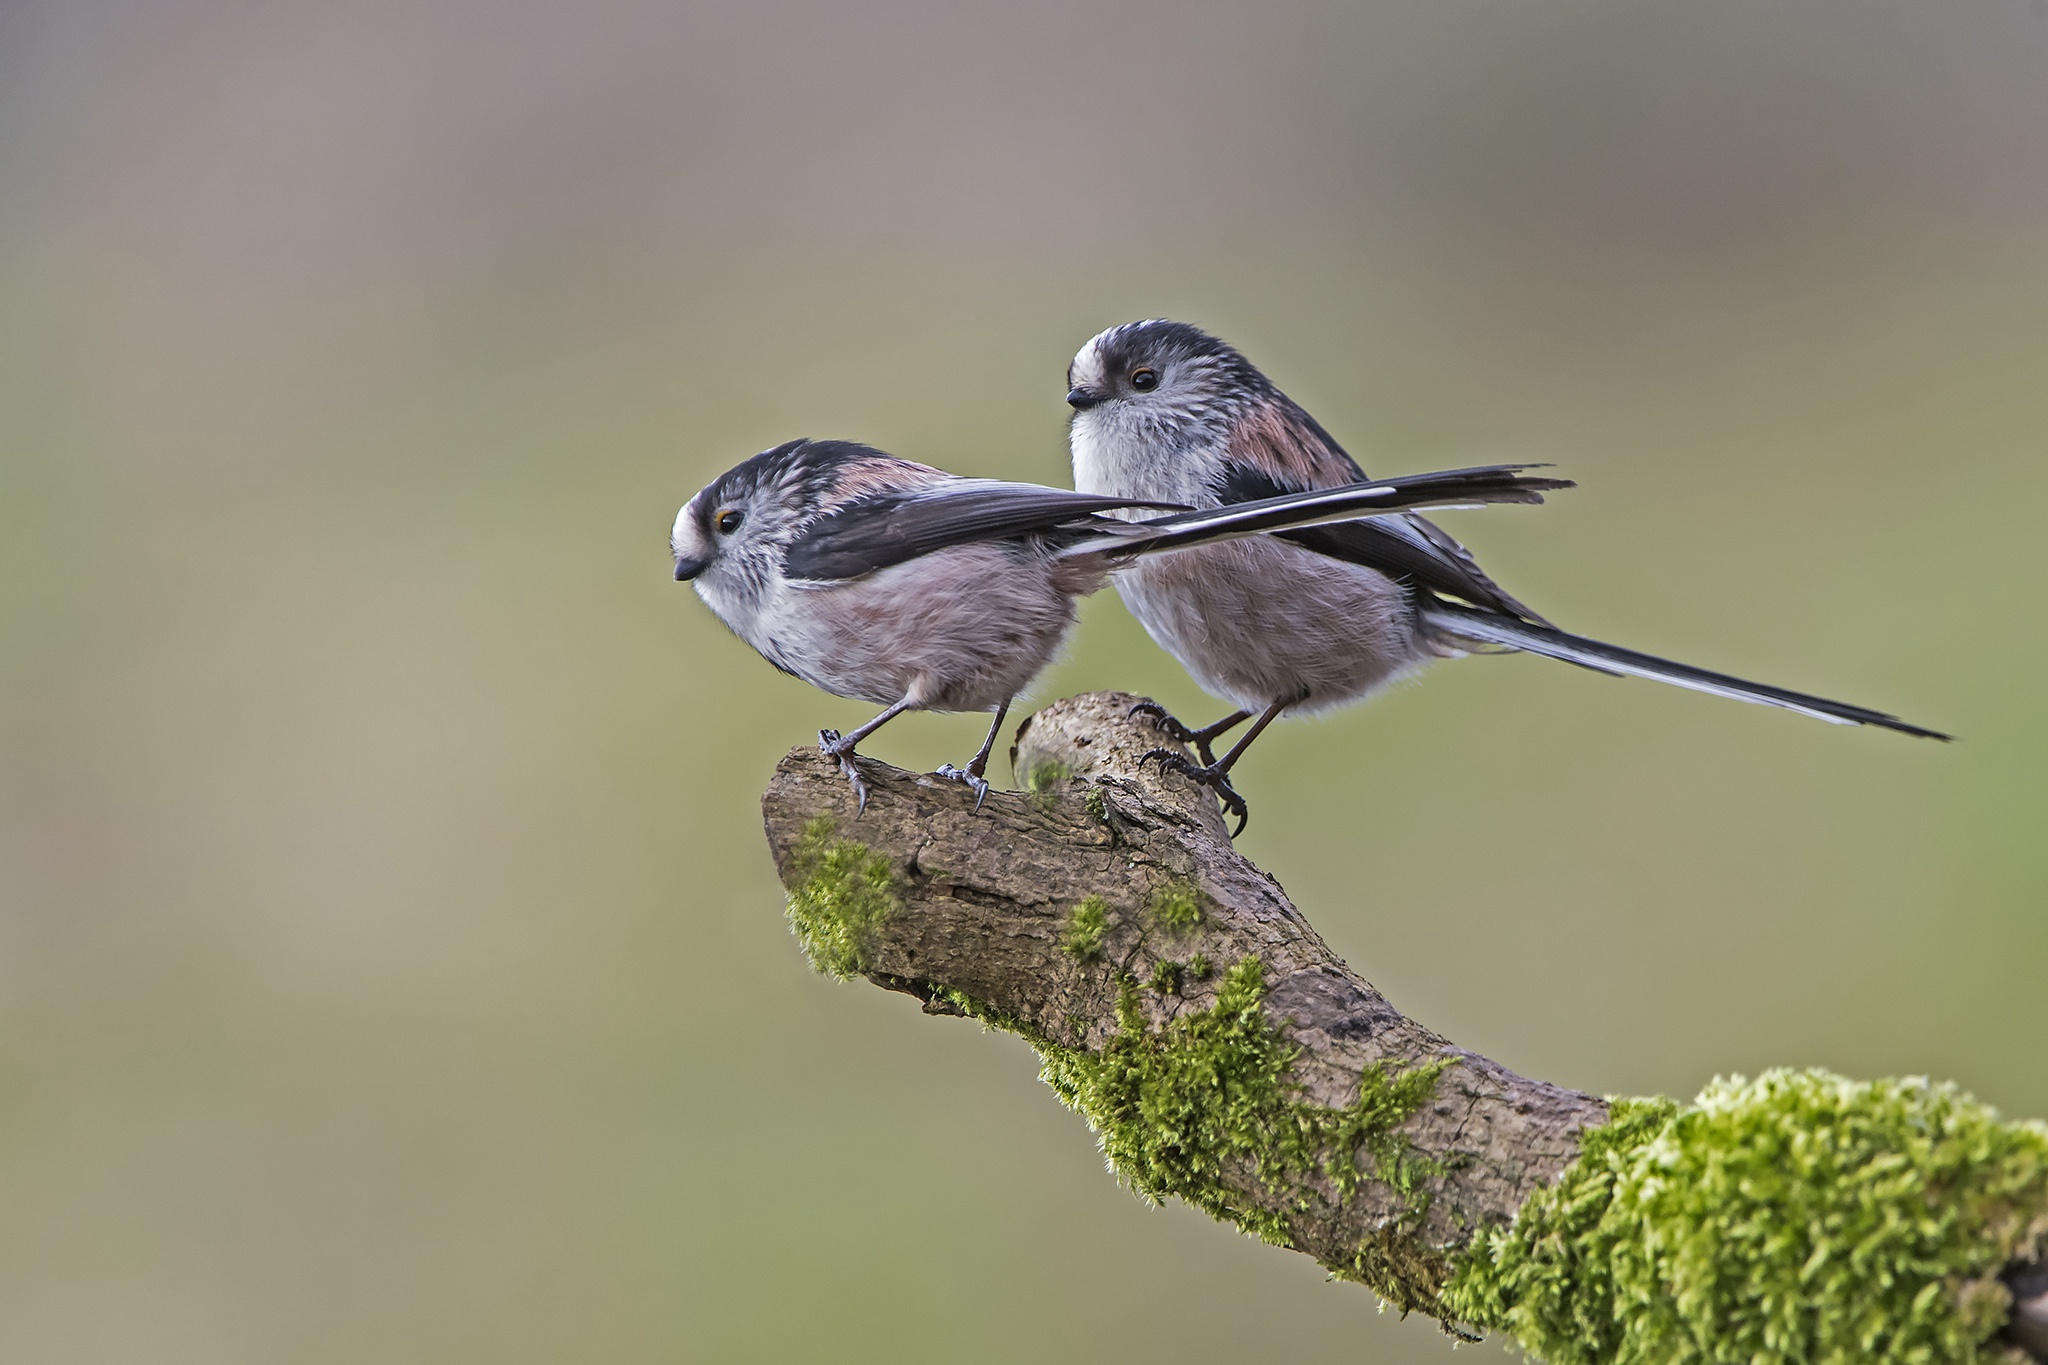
x=834 y=746
x=1163 y=721
x=974 y=780
x=1215 y=778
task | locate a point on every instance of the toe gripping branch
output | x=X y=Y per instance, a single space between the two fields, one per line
x=840 y=750
x=1169 y=725
x=974 y=781
x=1208 y=773
x=1214 y=776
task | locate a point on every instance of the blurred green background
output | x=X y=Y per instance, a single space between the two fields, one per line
x=390 y=965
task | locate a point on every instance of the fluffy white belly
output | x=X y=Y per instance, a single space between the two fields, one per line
x=961 y=630
x=1338 y=632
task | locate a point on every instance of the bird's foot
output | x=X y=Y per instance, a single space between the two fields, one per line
x=1163 y=721
x=969 y=775
x=1214 y=776
x=835 y=747
x=1166 y=723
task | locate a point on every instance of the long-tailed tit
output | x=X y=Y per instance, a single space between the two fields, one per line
x=1308 y=619
x=902 y=585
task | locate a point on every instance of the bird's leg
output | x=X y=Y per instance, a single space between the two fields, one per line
x=839 y=747
x=972 y=773
x=1163 y=720
x=1216 y=775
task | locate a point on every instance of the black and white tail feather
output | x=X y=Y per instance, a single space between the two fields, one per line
x=1493 y=628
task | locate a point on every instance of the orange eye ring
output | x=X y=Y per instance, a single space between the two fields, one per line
x=1144 y=379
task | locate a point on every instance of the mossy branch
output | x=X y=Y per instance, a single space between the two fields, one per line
x=1226 y=1057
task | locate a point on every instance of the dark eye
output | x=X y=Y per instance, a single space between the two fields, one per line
x=728 y=522
x=1144 y=380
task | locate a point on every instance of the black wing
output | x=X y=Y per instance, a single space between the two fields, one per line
x=882 y=529
x=1406 y=548
x=1381 y=499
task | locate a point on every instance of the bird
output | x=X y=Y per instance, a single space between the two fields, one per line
x=899 y=584
x=1307 y=619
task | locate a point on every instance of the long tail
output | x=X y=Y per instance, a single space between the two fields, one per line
x=1493 y=628
x=1473 y=487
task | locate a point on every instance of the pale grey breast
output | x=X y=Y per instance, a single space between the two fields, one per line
x=964 y=629
x=1338 y=632
x=1260 y=620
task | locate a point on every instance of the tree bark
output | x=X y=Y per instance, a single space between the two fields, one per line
x=987 y=925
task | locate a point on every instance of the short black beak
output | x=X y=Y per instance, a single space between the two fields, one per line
x=687 y=569
x=1081 y=399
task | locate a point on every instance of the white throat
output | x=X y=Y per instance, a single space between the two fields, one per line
x=1120 y=458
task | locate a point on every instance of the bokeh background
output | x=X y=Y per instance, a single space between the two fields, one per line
x=390 y=965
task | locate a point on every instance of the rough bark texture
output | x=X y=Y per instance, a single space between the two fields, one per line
x=986 y=923
x=987 y=898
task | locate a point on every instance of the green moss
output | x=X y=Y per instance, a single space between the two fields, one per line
x=1097 y=802
x=845 y=892
x=986 y=1015
x=1046 y=774
x=1189 y=1109
x=1087 y=923
x=1403 y=1272
x=1042 y=782
x=1165 y=977
x=1800 y=1217
x=1176 y=907
x=1385 y=1099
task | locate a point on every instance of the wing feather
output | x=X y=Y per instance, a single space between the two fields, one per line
x=1406 y=548
x=877 y=530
